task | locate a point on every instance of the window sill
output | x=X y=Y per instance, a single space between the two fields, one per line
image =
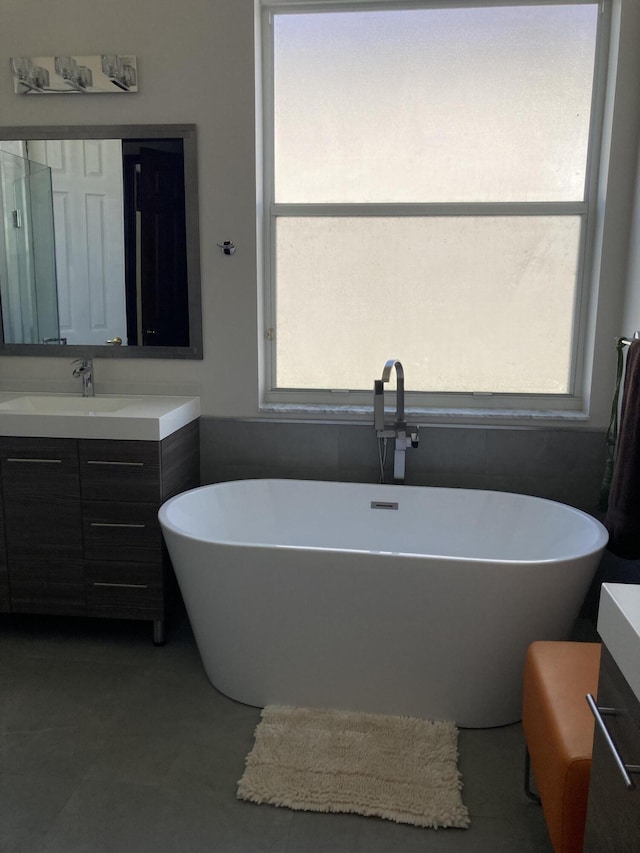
x=426 y=416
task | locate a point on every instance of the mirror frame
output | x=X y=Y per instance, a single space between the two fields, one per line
x=186 y=132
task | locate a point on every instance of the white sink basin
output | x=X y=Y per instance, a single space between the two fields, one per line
x=64 y=405
x=145 y=418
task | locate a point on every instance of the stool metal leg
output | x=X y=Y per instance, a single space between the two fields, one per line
x=527 y=778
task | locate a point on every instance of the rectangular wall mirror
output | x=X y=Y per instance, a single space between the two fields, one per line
x=99 y=246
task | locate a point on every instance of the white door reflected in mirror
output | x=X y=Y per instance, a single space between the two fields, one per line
x=86 y=178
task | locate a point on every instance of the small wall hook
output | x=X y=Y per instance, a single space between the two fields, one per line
x=228 y=248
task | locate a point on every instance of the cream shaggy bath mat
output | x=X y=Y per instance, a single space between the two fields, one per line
x=398 y=768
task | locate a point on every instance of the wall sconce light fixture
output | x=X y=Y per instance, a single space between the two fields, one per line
x=74 y=74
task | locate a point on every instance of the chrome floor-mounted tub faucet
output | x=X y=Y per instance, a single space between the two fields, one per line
x=404 y=436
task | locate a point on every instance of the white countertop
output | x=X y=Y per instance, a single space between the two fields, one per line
x=136 y=417
x=619 y=628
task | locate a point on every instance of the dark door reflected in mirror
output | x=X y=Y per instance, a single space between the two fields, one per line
x=126 y=275
x=155 y=243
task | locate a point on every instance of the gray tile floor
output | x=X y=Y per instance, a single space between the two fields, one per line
x=110 y=745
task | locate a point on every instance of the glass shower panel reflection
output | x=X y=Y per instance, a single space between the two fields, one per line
x=28 y=287
x=40 y=199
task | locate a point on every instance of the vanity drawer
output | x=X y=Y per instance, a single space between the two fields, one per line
x=119 y=470
x=129 y=532
x=613 y=814
x=36 y=466
x=123 y=590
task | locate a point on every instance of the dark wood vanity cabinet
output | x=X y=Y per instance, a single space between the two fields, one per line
x=43 y=525
x=613 y=811
x=81 y=527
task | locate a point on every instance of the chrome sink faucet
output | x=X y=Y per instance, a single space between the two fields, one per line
x=404 y=436
x=84 y=370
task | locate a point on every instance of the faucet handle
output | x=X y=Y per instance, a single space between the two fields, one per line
x=81 y=365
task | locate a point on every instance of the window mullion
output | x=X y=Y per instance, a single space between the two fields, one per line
x=564 y=208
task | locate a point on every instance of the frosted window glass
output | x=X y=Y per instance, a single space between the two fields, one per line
x=470 y=304
x=432 y=105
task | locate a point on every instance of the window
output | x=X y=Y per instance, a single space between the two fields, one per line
x=428 y=176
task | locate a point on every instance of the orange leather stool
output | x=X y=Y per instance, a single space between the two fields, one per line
x=558 y=730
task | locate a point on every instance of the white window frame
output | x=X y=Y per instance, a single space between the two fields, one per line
x=354 y=403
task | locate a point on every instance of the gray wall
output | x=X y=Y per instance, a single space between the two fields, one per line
x=563 y=465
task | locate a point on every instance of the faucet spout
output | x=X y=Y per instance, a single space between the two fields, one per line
x=386 y=375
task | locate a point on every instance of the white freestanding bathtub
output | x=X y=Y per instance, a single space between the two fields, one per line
x=390 y=599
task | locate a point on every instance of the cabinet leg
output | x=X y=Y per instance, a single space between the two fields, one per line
x=158 y=632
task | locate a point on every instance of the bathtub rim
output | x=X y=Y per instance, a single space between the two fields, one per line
x=601 y=532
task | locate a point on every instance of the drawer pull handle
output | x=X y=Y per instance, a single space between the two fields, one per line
x=114 y=524
x=27 y=459
x=625 y=769
x=123 y=585
x=107 y=462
